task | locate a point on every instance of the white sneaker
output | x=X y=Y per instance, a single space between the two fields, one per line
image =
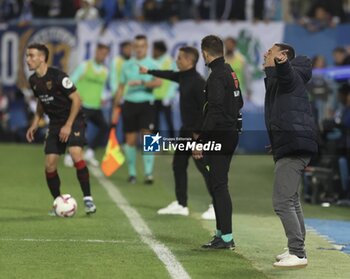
x=68 y=161
x=89 y=156
x=209 y=214
x=291 y=261
x=283 y=255
x=174 y=208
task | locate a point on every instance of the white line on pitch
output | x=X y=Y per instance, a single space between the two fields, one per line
x=173 y=266
x=63 y=240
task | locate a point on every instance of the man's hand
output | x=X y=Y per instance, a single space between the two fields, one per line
x=281 y=56
x=197 y=153
x=135 y=83
x=65 y=132
x=30 y=133
x=143 y=70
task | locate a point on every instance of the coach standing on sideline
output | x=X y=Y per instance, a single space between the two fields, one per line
x=293 y=138
x=220 y=124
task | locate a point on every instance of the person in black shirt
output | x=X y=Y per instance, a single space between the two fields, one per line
x=191 y=104
x=58 y=98
x=220 y=125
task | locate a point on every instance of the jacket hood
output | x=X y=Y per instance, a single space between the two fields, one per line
x=302 y=65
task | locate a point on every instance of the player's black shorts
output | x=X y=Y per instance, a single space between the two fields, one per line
x=137 y=116
x=53 y=145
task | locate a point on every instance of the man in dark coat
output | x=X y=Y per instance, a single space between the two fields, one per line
x=293 y=138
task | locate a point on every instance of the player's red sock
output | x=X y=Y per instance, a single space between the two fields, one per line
x=83 y=177
x=54 y=182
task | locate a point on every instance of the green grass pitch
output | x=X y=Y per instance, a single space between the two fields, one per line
x=34 y=245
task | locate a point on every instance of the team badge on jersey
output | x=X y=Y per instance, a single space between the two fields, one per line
x=67 y=83
x=49 y=84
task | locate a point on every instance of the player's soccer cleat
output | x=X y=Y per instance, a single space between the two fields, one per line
x=52 y=213
x=219 y=243
x=89 y=156
x=291 y=261
x=149 y=180
x=68 y=161
x=174 y=209
x=132 y=179
x=90 y=207
x=283 y=255
x=209 y=214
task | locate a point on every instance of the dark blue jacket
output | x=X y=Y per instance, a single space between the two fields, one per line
x=288 y=117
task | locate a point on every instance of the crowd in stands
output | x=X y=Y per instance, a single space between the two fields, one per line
x=314 y=15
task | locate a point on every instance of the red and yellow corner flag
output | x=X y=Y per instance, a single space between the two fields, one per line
x=114 y=157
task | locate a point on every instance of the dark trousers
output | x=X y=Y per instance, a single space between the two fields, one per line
x=95 y=116
x=168 y=117
x=219 y=166
x=180 y=164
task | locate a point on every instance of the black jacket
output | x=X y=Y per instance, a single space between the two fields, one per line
x=288 y=117
x=191 y=96
x=223 y=98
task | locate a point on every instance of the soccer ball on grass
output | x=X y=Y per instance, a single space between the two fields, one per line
x=65 y=205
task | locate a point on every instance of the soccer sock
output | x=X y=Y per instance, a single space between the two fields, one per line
x=83 y=177
x=218 y=233
x=148 y=162
x=130 y=152
x=54 y=182
x=227 y=237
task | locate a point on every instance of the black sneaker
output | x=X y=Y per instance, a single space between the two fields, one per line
x=132 y=179
x=149 y=180
x=219 y=243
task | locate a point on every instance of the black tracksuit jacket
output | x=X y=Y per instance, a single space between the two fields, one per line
x=223 y=101
x=192 y=97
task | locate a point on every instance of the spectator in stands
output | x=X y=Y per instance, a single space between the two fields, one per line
x=320 y=91
x=10 y=9
x=152 y=11
x=67 y=9
x=239 y=64
x=323 y=14
x=41 y=8
x=88 y=11
x=164 y=94
x=341 y=56
x=171 y=10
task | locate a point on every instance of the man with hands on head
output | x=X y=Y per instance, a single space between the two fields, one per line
x=293 y=138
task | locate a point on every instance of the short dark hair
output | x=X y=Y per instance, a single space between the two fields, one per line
x=103 y=45
x=213 y=45
x=192 y=52
x=124 y=44
x=291 y=51
x=140 y=37
x=233 y=40
x=42 y=48
x=339 y=49
x=160 y=45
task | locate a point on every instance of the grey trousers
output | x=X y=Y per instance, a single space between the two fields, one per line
x=286 y=201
